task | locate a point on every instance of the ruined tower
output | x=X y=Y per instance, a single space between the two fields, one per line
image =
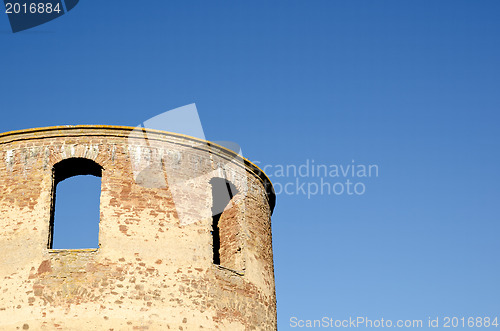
x=173 y=253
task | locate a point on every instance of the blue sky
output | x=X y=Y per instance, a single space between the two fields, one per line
x=409 y=86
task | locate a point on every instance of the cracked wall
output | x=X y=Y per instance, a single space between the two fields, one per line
x=154 y=266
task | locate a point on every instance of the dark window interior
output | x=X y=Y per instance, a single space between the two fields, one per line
x=222 y=192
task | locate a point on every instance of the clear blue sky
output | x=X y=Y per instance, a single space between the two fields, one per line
x=411 y=86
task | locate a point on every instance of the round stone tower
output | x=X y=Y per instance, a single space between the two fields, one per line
x=184 y=237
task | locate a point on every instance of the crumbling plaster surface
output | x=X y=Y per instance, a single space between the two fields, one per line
x=153 y=269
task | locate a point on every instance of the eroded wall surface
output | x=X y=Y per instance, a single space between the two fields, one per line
x=154 y=266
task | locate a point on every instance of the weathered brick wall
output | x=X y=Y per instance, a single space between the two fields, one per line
x=154 y=266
